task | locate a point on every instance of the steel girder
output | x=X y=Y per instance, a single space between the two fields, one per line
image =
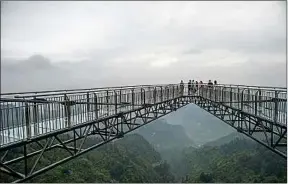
x=109 y=113
x=106 y=130
x=264 y=131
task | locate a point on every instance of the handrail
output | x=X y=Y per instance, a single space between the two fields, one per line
x=145 y=85
x=79 y=91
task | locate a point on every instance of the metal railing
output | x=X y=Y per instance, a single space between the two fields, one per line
x=266 y=102
x=25 y=117
x=29 y=114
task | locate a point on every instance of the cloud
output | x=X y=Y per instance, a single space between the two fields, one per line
x=88 y=44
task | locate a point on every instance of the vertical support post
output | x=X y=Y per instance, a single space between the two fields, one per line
x=161 y=93
x=231 y=99
x=148 y=95
x=67 y=110
x=27 y=119
x=248 y=99
x=155 y=95
x=223 y=94
x=133 y=98
x=115 y=101
x=116 y=110
x=74 y=142
x=238 y=96
x=173 y=92
x=96 y=105
x=260 y=101
x=88 y=105
x=120 y=96
x=143 y=96
x=35 y=118
x=107 y=102
x=275 y=117
x=241 y=107
x=25 y=160
x=256 y=103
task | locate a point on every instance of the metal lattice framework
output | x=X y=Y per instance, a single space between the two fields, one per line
x=32 y=124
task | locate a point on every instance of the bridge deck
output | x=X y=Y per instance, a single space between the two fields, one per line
x=31 y=115
x=64 y=119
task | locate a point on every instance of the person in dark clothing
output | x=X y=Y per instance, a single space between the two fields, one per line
x=181 y=88
x=196 y=85
x=210 y=84
x=189 y=87
x=200 y=87
x=216 y=88
x=210 y=87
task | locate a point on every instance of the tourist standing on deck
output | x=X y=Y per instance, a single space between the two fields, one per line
x=210 y=87
x=215 y=90
x=193 y=86
x=189 y=87
x=210 y=84
x=196 y=86
x=181 y=88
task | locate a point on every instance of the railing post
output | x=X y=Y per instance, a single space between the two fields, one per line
x=223 y=95
x=275 y=117
x=161 y=93
x=231 y=96
x=248 y=99
x=242 y=97
x=107 y=102
x=27 y=118
x=67 y=110
x=133 y=100
x=242 y=107
x=149 y=95
x=142 y=96
x=276 y=107
x=238 y=97
x=155 y=95
x=96 y=105
x=167 y=92
x=35 y=118
x=256 y=102
x=115 y=101
x=260 y=100
x=120 y=98
x=88 y=105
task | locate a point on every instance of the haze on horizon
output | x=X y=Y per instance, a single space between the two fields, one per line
x=62 y=45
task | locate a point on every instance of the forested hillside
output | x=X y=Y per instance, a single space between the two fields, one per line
x=240 y=160
x=233 y=158
x=131 y=159
x=164 y=136
x=169 y=140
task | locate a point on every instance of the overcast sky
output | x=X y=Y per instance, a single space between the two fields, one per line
x=56 y=45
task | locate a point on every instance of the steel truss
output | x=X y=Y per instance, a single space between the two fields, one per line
x=261 y=114
x=114 y=127
x=264 y=131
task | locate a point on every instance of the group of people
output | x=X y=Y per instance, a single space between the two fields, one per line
x=193 y=86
